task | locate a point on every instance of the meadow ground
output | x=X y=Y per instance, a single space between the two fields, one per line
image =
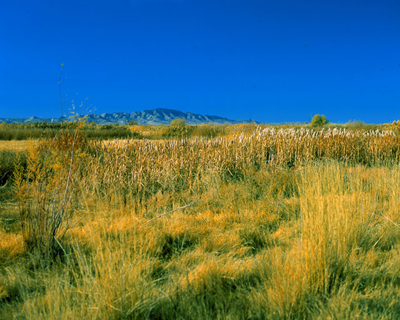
x=269 y=224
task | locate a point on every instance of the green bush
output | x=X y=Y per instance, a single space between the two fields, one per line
x=319 y=120
x=177 y=131
x=179 y=122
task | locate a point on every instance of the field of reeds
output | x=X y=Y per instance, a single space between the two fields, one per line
x=246 y=222
x=44 y=130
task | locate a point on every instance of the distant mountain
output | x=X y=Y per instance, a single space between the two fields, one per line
x=154 y=117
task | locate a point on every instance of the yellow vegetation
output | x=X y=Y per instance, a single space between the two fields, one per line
x=278 y=225
x=17 y=145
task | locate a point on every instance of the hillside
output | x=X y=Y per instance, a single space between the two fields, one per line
x=153 y=117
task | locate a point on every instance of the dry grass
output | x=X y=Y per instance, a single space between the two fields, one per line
x=17 y=145
x=282 y=225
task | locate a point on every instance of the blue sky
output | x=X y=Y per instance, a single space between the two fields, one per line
x=271 y=61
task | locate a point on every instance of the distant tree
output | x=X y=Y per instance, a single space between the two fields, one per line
x=319 y=120
x=179 y=122
x=133 y=123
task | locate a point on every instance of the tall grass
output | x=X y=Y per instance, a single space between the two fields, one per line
x=139 y=169
x=48 y=130
x=8 y=159
x=42 y=130
x=290 y=224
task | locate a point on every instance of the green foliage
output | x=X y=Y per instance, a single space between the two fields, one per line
x=395 y=127
x=208 y=131
x=358 y=125
x=177 y=131
x=8 y=160
x=179 y=122
x=47 y=130
x=319 y=120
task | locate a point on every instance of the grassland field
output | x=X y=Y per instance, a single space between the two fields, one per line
x=200 y=222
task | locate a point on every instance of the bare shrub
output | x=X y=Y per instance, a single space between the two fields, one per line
x=45 y=191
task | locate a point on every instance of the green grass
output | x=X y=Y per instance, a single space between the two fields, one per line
x=8 y=160
x=48 y=130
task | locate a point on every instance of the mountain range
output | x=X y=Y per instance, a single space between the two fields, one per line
x=153 y=117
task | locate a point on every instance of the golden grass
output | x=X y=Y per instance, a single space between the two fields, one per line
x=17 y=145
x=280 y=226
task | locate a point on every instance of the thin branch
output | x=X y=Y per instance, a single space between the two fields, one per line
x=59 y=89
x=164 y=214
x=396 y=224
x=61 y=215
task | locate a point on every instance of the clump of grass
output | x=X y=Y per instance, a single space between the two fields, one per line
x=8 y=160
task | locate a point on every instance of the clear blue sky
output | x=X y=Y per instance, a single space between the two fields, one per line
x=272 y=61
